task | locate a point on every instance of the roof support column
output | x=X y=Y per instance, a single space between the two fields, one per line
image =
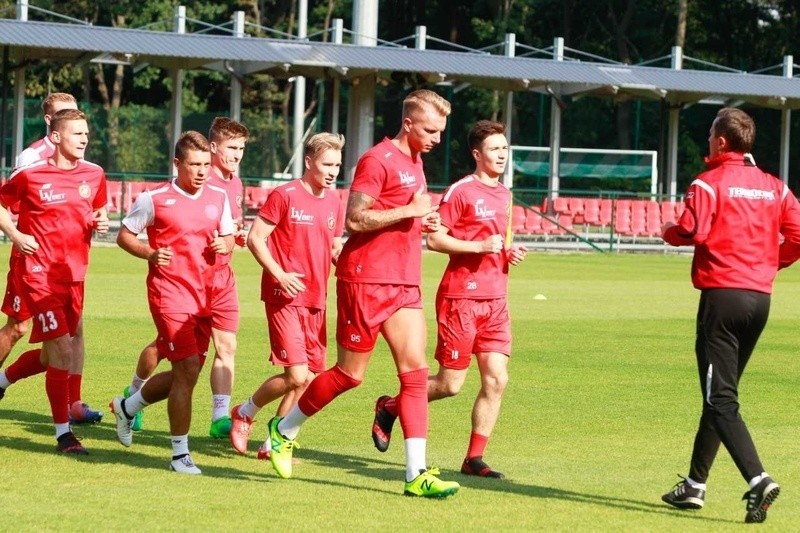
x=236 y=86
x=508 y=175
x=786 y=124
x=298 y=127
x=18 y=119
x=338 y=27
x=179 y=26
x=361 y=104
x=672 y=134
x=555 y=129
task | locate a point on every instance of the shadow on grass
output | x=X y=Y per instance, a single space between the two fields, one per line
x=389 y=471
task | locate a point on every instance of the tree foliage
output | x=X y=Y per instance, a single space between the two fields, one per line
x=743 y=34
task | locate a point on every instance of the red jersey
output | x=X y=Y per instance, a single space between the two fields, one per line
x=186 y=223
x=735 y=214
x=38 y=150
x=57 y=208
x=473 y=211
x=235 y=190
x=392 y=255
x=305 y=226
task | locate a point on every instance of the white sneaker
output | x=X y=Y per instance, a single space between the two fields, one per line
x=124 y=430
x=184 y=465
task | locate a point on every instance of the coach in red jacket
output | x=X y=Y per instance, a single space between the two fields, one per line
x=735 y=216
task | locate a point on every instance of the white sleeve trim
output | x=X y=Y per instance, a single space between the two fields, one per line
x=706 y=187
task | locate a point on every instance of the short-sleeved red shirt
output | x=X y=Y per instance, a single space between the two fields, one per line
x=57 y=208
x=305 y=226
x=235 y=191
x=473 y=211
x=392 y=255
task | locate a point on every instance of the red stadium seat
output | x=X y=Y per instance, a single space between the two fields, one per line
x=256 y=196
x=518 y=218
x=591 y=211
x=561 y=205
x=114 y=204
x=533 y=221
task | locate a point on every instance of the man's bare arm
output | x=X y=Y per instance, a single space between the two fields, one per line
x=362 y=218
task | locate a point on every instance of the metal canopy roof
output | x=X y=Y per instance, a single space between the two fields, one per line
x=34 y=40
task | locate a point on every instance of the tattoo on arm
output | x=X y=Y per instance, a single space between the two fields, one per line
x=362 y=218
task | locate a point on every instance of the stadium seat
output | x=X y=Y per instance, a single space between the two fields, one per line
x=256 y=196
x=518 y=218
x=576 y=209
x=591 y=211
x=114 y=191
x=132 y=190
x=606 y=208
x=561 y=205
x=533 y=221
x=565 y=223
x=679 y=207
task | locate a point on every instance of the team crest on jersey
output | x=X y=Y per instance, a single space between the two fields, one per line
x=84 y=190
x=331 y=221
x=212 y=212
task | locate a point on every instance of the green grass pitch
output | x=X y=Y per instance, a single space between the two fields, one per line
x=598 y=417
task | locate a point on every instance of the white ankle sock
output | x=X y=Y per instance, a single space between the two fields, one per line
x=220 y=406
x=180 y=445
x=695 y=485
x=136 y=383
x=415 y=457
x=289 y=427
x=249 y=409
x=756 y=480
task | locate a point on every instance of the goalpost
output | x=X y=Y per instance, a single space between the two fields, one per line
x=588 y=163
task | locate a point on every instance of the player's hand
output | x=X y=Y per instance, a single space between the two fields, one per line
x=100 y=222
x=25 y=243
x=432 y=222
x=335 y=252
x=240 y=238
x=162 y=256
x=492 y=244
x=516 y=254
x=292 y=284
x=218 y=244
x=420 y=204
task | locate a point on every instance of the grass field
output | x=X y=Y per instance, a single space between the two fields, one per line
x=598 y=418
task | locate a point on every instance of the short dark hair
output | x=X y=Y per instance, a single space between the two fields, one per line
x=224 y=128
x=737 y=127
x=482 y=129
x=189 y=141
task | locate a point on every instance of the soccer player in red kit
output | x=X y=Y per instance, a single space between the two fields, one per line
x=378 y=289
x=735 y=216
x=14 y=306
x=188 y=225
x=60 y=202
x=294 y=286
x=472 y=301
x=227 y=141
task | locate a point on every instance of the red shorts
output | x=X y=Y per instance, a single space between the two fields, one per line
x=224 y=301
x=362 y=308
x=469 y=326
x=181 y=335
x=55 y=307
x=297 y=336
x=13 y=303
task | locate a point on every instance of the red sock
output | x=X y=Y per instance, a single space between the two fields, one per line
x=412 y=403
x=477 y=445
x=55 y=383
x=26 y=365
x=391 y=406
x=324 y=389
x=74 y=388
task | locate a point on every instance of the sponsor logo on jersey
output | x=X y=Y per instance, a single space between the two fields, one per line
x=170 y=201
x=84 y=190
x=239 y=200
x=300 y=216
x=407 y=178
x=331 y=221
x=48 y=196
x=482 y=212
x=750 y=194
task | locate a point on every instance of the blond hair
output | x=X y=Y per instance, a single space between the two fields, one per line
x=65 y=115
x=418 y=99
x=49 y=103
x=318 y=143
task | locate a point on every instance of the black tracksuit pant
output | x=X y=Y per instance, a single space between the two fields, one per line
x=729 y=322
